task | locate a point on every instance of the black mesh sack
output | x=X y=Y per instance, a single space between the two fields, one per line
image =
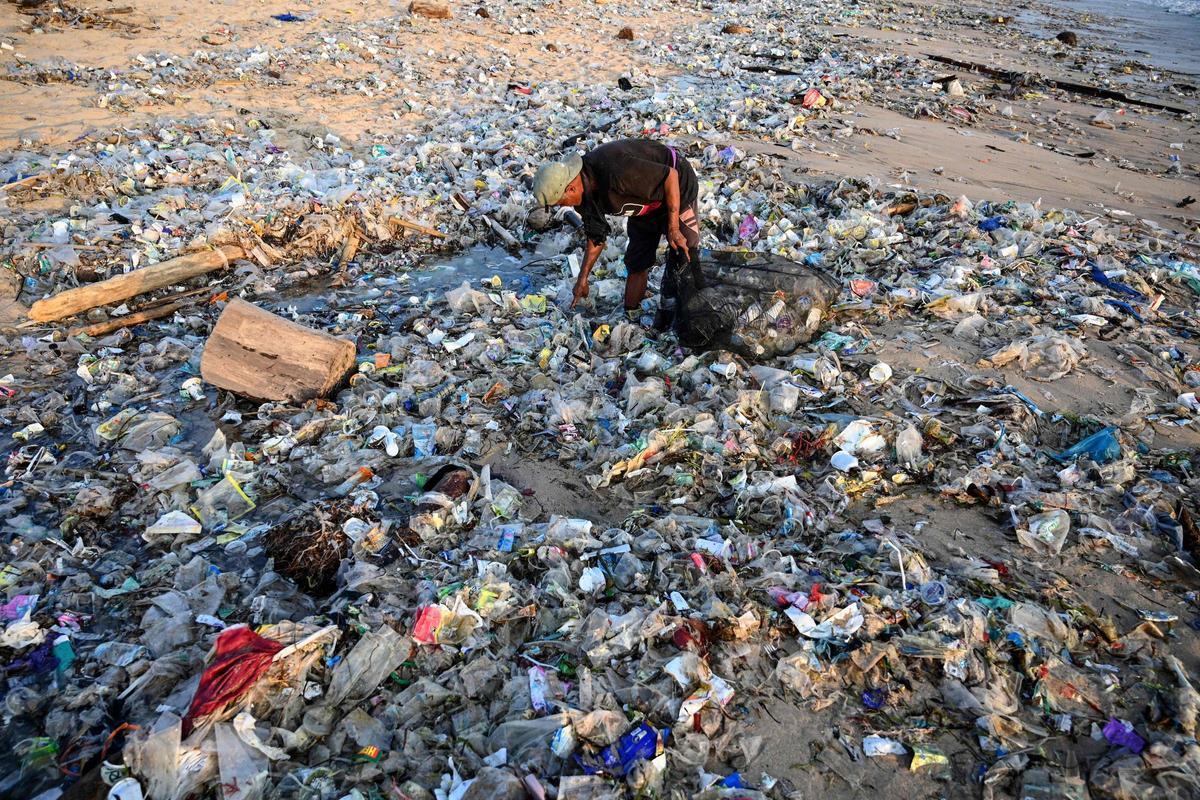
x=759 y=306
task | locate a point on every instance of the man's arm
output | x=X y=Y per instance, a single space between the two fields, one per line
x=675 y=237
x=591 y=253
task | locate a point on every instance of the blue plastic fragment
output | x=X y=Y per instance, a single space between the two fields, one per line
x=874 y=698
x=1102 y=447
x=1128 y=309
x=991 y=224
x=619 y=758
x=288 y=17
x=1099 y=277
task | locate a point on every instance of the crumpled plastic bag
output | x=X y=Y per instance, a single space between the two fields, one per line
x=624 y=338
x=1046 y=357
x=642 y=396
x=950 y=306
x=364 y=668
x=1046 y=533
x=521 y=735
x=1033 y=620
x=859 y=438
x=601 y=727
x=971 y=328
x=139 y=431
x=843 y=623
x=1102 y=447
x=795 y=673
x=243 y=770
x=171 y=770
x=464 y=298
x=21 y=633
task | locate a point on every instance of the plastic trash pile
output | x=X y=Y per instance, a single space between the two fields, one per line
x=354 y=591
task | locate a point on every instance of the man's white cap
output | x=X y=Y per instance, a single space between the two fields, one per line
x=553 y=178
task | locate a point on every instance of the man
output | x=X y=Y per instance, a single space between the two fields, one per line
x=641 y=179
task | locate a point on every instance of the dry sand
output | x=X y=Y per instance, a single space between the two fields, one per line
x=1022 y=152
x=305 y=99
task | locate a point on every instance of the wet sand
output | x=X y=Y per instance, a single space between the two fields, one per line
x=1149 y=32
x=1029 y=146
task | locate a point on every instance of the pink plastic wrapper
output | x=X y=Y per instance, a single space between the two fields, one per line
x=429 y=622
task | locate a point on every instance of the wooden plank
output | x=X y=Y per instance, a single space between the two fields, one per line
x=412 y=226
x=44 y=245
x=131 y=284
x=28 y=179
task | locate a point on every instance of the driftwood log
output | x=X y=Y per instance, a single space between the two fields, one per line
x=257 y=354
x=129 y=320
x=1015 y=78
x=131 y=284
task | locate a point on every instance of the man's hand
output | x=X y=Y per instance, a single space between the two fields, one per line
x=581 y=289
x=591 y=254
x=678 y=241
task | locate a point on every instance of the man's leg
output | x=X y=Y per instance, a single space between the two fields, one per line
x=635 y=289
x=639 y=258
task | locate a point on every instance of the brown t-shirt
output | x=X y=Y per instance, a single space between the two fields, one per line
x=627 y=178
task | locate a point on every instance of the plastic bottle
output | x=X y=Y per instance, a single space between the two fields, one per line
x=360 y=476
x=424 y=441
x=908 y=446
x=820 y=368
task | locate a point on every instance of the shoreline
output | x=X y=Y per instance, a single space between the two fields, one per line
x=1164 y=38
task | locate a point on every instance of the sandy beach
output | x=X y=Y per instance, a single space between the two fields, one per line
x=1014 y=147
x=935 y=100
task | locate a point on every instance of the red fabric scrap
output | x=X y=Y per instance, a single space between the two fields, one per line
x=241 y=659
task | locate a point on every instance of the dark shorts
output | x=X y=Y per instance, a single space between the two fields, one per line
x=645 y=234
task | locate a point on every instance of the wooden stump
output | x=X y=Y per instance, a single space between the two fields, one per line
x=255 y=353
